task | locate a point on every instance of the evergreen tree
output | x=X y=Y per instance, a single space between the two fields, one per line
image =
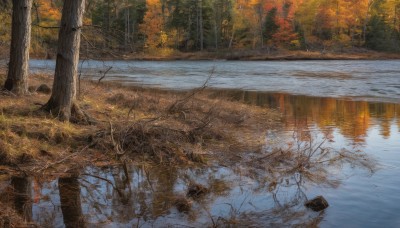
x=270 y=25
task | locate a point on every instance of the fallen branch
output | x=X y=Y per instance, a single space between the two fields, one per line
x=61 y=161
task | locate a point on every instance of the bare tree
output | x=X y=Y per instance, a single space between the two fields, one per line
x=63 y=98
x=20 y=43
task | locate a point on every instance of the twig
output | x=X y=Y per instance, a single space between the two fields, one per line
x=104 y=179
x=194 y=92
x=46 y=27
x=104 y=75
x=62 y=160
x=116 y=146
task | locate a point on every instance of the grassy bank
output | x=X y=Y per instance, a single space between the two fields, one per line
x=131 y=124
x=224 y=54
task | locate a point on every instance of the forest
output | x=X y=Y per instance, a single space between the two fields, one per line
x=169 y=26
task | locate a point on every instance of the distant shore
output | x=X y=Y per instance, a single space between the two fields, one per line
x=231 y=55
x=262 y=56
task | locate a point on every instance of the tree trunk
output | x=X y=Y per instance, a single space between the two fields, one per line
x=216 y=35
x=20 y=43
x=63 y=97
x=232 y=37
x=201 y=27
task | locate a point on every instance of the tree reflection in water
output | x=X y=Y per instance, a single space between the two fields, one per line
x=278 y=178
x=22 y=191
x=70 y=199
x=288 y=171
x=268 y=187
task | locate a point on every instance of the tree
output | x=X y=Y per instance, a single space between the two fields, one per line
x=63 y=98
x=19 y=52
x=382 y=33
x=270 y=26
x=153 y=24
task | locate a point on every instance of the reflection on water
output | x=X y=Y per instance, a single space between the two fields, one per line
x=22 y=189
x=322 y=141
x=353 y=119
x=70 y=201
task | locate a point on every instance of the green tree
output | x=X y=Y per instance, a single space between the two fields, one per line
x=380 y=36
x=382 y=31
x=270 y=25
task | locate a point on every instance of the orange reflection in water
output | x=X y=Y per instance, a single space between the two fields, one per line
x=352 y=118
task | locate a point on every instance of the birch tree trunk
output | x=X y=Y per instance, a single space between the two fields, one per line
x=63 y=97
x=20 y=43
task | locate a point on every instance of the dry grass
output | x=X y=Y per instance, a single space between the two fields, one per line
x=168 y=127
x=134 y=124
x=10 y=218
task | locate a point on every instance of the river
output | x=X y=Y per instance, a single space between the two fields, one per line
x=353 y=105
x=360 y=80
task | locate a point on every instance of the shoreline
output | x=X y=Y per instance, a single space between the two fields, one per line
x=152 y=128
x=241 y=55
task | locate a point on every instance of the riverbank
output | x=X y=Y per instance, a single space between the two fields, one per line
x=244 y=54
x=131 y=125
x=264 y=55
x=191 y=122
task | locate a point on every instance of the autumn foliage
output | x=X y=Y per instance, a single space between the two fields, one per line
x=195 y=25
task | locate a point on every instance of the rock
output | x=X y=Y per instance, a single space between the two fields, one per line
x=196 y=190
x=319 y=203
x=43 y=88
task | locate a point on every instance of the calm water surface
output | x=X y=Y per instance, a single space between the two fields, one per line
x=350 y=113
x=373 y=80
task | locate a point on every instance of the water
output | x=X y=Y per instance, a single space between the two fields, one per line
x=252 y=191
x=372 y=80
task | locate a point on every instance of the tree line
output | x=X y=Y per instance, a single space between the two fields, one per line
x=211 y=25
